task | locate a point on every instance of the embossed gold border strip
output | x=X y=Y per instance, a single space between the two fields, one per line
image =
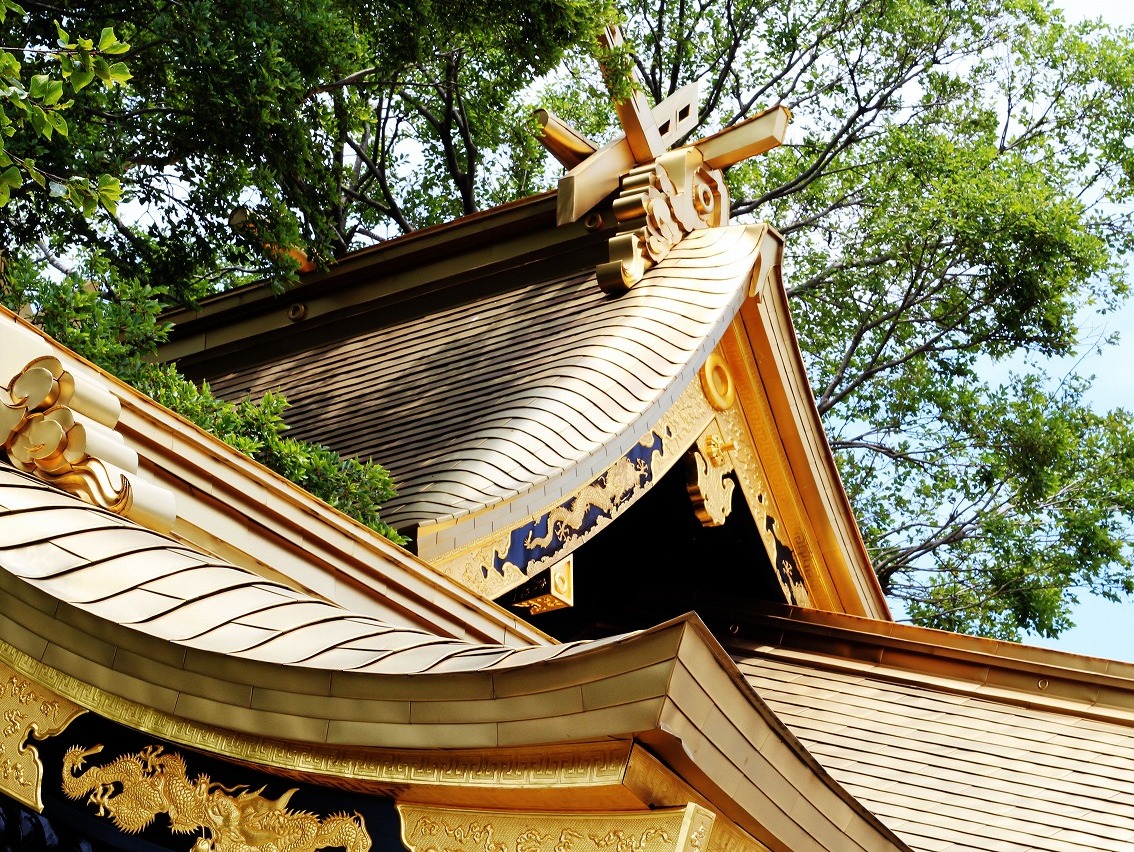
x=430 y=829
x=580 y=765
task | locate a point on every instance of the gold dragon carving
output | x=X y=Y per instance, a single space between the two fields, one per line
x=435 y=829
x=27 y=709
x=133 y=789
x=616 y=487
x=60 y=428
x=658 y=205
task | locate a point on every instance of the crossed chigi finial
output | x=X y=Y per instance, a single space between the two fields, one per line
x=665 y=194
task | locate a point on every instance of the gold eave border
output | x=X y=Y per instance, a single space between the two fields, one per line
x=472 y=564
x=352 y=767
x=704 y=725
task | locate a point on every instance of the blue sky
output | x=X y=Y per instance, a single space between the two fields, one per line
x=1105 y=629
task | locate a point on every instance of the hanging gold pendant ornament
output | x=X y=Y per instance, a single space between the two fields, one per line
x=27 y=709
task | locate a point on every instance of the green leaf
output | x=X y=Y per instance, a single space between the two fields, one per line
x=10 y=66
x=53 y=93
x=37 y=86
x=12 y=177
x=39 y=121
x=6 y=7
x=108 y=43
x=57 y=122
x=34 y=173
x=80 y=78
x=119 y=73
x=5 y=194
x=57 y=189
x=64 y=40
x=109 y=192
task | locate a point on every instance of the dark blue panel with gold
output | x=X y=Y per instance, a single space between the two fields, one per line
x=600 y=500
x=108 y=787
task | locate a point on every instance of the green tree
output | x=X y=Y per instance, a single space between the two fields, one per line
x=952 y=196
x=232 y=102
x=282 y=108
x=36 y=108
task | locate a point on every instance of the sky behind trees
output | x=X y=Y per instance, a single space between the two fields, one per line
x=1103 y=628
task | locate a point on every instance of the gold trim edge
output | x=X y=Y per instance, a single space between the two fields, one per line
x=666 y=443
x=428 y=828
x=583 y=765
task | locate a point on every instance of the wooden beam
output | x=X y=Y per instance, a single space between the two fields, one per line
x=634 y=113
x=598 y=176
x=678 y=114
x=593 y=180
x=755 y=136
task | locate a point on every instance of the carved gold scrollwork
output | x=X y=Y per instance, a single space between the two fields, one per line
x=658 y=205
x=436 y=829
x=61 y=429
x=27 y=709
x=709 y=486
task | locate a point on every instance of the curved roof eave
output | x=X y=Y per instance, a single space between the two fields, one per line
x=125 y=618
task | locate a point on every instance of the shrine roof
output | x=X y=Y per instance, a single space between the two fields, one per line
x=956 y=742
x=158 y=636
x=116 y=570
x=486 y=394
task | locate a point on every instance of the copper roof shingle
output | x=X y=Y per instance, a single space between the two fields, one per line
x=489 y=395
x=955 y=771
x=113 y=569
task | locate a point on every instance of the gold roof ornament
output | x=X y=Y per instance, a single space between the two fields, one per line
x=59 y=427
x=665 y=195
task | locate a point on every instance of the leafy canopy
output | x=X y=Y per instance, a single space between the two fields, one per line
x=36 y=108
x=228 y=102
x=279 y=106
x=955 y=192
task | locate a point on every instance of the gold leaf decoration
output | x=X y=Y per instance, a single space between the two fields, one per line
x=133 y=789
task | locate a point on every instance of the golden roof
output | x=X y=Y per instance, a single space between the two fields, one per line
x=492 y=395
x=955 y=742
